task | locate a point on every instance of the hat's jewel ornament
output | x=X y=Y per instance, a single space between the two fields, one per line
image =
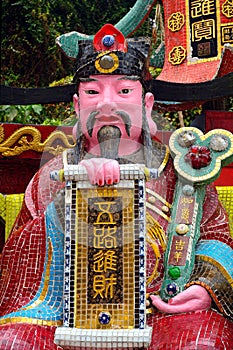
x=108 y=40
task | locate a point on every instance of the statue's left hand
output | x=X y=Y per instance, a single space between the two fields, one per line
x=194 y=298
x=102 y=171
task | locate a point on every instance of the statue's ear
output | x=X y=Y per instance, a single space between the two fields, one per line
x=75 y=101
x=149 y=101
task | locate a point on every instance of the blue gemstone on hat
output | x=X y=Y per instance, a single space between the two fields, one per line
x=171 y=288
x=108 y=40
x=104 y=318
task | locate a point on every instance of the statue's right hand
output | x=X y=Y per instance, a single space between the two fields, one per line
x=102 y=171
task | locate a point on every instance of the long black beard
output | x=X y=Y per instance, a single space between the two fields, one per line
x=109 y=140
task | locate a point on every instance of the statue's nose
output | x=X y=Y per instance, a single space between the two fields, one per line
x=107 y=106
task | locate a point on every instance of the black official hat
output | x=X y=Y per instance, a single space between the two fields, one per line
x=108 y=53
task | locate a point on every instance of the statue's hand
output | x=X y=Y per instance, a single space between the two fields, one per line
x=194 y=298
x=102 y=171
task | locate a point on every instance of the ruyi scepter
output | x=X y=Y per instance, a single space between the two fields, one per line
x=198 y=160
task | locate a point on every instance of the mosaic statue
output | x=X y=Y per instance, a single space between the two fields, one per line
x=189 y=256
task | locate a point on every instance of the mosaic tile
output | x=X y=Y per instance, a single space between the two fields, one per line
x=95 y=293
x=218 y=333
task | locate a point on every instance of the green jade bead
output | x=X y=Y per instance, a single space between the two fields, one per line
x=174 y=272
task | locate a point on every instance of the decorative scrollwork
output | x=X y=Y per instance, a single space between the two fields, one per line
x=177 y=55
x=176 y=21
x=227 y=8
x=29 y=138
x=155 y=234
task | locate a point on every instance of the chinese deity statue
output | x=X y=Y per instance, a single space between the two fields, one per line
x=189 y=276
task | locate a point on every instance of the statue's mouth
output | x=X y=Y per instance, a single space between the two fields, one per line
x=120 y=117
x=108 y=119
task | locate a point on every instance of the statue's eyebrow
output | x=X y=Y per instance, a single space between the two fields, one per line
x=87 y=80
x=126 y=77
x=130 y=77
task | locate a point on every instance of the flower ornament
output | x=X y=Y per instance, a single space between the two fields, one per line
x=198 y=156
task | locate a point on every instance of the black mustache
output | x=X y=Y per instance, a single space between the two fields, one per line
x=91 y=121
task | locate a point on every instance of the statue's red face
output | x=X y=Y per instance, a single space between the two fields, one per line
x=112 y=100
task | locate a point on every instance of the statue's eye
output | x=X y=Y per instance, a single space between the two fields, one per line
x=125 y=91
x=91 y=92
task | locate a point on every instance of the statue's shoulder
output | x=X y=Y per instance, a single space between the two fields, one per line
x=160 y=156
x=70 y=156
